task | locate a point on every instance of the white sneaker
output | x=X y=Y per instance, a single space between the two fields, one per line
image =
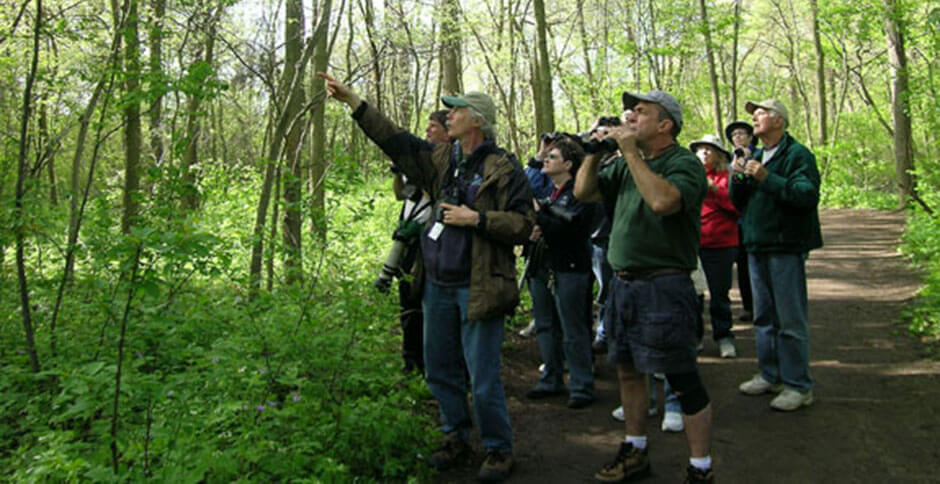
x=672 y=422
x=726 y=348
x=617 y=414
x=758 y=385
x=790 y=399
x=528 y=330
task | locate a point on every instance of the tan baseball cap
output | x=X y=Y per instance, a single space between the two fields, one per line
x=772 y=104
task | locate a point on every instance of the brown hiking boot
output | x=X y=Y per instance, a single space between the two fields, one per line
x=694 y=475
x=496 y=467
x=452 y=449
x=629 y=463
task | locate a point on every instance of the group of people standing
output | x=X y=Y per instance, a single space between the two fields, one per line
x=632 y=193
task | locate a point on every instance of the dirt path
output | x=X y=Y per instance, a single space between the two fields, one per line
x=877 y=412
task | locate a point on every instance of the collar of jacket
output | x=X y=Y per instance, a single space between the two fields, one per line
x=781 y=148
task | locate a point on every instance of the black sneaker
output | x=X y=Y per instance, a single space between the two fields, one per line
x=496 y=467
x=694 y=475
x=452 y=450
x=629 y=463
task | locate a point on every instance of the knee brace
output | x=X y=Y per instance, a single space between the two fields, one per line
x=689 y=389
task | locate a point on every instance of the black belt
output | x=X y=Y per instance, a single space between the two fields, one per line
x=650 y=274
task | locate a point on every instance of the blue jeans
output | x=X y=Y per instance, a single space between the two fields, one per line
x=718 y=265
x=450 y=337
x=781 y=325
x=562 y=329
x=602 y=273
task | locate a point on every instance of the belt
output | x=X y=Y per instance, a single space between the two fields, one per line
x=650 y=274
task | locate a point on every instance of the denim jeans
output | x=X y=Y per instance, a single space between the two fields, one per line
x=718 y=265
x=562 y=330
x=602 y=274
x=781 y=325
x=450 y=337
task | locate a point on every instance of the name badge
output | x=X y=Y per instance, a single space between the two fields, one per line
x=435 y=231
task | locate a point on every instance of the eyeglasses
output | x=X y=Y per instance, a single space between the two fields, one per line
x=740 y=132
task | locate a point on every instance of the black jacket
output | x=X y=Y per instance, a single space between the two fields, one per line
x=566 y=226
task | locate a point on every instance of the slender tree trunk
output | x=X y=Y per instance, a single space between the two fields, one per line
x=47 y=152
x=900 y=105
x=293 y=182
x=156 y=72
x=194 y=120
x=820 y=76
x=22 y=174
x=274 y=216
x=132 y=129
x=712 y=74
x=544 y=108
x=318 y=162
x=734 y=59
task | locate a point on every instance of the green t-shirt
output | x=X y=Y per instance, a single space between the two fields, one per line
x=640 y=240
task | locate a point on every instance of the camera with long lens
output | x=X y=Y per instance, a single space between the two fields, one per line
x=550 y=208
x=739 y=152
x=406 y=233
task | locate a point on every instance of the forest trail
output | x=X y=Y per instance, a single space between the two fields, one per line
x=876 y=415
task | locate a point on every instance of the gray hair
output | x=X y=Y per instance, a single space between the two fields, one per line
x=774 y=114
x=486 y=128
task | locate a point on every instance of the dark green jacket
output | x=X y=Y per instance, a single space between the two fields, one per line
x=780 y=214
x=504 y=196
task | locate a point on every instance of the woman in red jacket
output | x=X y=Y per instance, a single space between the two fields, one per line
x=719 y=239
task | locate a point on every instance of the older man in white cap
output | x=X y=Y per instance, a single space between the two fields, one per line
x=482 y=208
x=777 y=190
x=655 y=191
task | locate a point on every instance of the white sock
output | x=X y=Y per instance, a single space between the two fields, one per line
x=701 y=463
x=637 y=441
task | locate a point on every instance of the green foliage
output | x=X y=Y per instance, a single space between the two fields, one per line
x=217 y=387
x=922 y=245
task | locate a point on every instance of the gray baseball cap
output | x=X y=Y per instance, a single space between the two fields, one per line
x=479 y=101
x=662 y=98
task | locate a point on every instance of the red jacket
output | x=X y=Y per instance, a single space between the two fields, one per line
x=719 y=217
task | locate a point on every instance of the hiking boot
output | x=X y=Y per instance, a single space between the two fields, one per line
x=694 y=475
x=629 y=463
x=599 y=346
x=538 y=393
x=758 y=385
x=576 y=403
x=451 y=451
x=726 y=348
x=790 y=399
x=746 y=316
x=672 y=422
x=496 y=466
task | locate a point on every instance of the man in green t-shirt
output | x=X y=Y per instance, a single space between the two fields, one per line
x=655 y=192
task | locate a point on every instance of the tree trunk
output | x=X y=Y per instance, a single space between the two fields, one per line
x=450 y=48
x=47 y=151
x=22 y=174
x=156 y=72
x=318 y=162
x=544 y=107
x=293 y=182
x=712 y=74
x=194 y=119
x=734 y=60
x=900 y=106
x=820 y=76
x=132 y=134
